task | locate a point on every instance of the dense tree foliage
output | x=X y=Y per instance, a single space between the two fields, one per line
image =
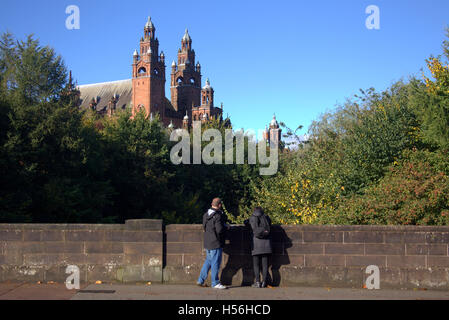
x=379 y=158
x=357 y=166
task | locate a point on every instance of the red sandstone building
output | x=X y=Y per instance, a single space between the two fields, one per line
x=146 y=90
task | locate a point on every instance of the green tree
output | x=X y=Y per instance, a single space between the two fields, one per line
x=51 y=162
x=433 y=105
x=415 y=191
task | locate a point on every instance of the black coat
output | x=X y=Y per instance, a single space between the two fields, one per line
x=259 y=246
x=214 y=225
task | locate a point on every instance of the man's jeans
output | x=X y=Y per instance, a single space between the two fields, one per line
x=213 y=261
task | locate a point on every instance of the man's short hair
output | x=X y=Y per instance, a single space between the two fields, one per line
x=216 y=202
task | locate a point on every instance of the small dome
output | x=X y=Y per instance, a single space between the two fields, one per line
x=274 y=122
x=207 y=86
x=162 y=54
x=149 y=24
x=135 y=54
x=173 y=64
x=186 y=37
x=186 y=117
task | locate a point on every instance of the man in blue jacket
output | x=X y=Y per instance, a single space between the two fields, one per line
x=214 y=225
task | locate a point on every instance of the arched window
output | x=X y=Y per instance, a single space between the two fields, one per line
x=142 y=71
x=156 y=71
x=180 y=80
x=192 y=81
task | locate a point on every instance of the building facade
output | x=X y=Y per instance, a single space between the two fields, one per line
x=145 y=91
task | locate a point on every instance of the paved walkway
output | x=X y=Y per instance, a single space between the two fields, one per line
x=57 y=291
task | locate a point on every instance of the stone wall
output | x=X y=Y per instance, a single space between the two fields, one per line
x=41 y=252
x=145 y=250
x=322 y=255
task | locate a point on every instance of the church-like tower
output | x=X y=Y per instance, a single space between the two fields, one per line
x=273 y=133
x=148 y=78
x=185 y=78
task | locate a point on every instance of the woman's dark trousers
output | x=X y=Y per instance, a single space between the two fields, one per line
x=257 y=261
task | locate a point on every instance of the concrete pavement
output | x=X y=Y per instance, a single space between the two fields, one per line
x=58 y=291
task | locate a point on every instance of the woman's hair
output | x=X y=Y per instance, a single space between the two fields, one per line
x=258 y=209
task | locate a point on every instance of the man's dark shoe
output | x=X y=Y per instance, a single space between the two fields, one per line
x=256 y=285
x=263 y=285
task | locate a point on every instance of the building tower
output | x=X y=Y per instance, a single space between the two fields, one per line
x=273 y=133
x=207 y=95
x=148 y=78
x=185 y=78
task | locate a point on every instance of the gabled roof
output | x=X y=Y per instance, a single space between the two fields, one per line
x=105 y=91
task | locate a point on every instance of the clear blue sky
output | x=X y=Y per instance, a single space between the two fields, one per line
x=295 y=58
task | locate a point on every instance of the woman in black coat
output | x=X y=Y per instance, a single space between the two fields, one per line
x=261 y=245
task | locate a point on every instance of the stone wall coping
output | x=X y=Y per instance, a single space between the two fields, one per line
x=130 y=225
x=156 y=225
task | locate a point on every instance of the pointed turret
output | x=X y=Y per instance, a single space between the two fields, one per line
x=186 y=41
x=186 y=37
x=149 y=30
x=149 y=24
x=185 y=121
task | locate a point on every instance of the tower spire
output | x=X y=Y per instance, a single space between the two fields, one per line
x=186 y=36
x=149 y=30
x=149 y=24
x=186 y=41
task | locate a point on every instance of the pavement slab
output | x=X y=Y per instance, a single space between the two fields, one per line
x=192 y=292
x=35 y=291
x=58 y=291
